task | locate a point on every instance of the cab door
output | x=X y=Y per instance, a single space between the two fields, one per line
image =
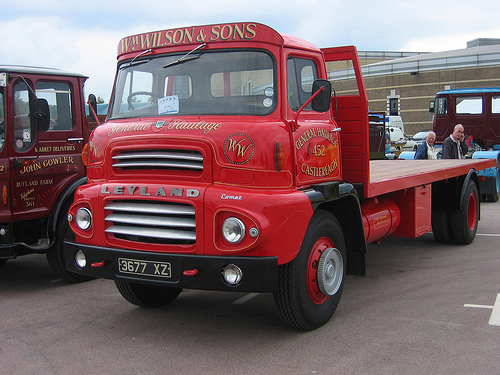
x=316 y=138
x=4 y=160
x=44 y=163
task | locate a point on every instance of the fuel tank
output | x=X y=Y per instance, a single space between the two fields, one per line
x=381 y=217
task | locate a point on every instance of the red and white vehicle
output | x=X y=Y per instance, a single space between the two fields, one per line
x=42 y=132
x=226 y=164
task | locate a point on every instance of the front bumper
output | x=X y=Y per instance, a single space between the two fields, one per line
x=260 y=274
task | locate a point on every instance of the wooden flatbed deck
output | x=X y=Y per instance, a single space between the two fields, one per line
x=391 y=175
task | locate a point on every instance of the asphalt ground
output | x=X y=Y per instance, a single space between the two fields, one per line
x=423 y=308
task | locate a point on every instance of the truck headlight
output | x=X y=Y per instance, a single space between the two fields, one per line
x=83 y=218
x=233 y=230
x=232 y=274
x=80 y=259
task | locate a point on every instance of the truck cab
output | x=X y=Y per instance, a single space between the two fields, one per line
x=42 y=131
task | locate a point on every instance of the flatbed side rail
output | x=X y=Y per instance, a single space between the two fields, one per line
x=392 y=175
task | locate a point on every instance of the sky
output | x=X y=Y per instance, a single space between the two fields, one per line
x=82 y=36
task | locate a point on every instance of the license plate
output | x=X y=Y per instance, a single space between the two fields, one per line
x=145 y=267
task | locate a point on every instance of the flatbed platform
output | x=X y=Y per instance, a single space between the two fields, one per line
x=392 y=175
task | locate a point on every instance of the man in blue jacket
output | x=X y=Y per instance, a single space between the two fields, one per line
x=426 y=149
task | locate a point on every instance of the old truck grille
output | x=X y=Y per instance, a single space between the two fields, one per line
x=152 y=222
x=186 y=160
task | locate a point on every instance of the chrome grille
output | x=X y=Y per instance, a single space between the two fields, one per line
x=152 y=222
x=159 y=159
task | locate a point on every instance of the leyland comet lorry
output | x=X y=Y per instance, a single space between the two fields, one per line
x=43 y=128
x=227 y=163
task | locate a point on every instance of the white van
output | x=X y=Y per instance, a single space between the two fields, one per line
x=394 y=122
x=399 y=142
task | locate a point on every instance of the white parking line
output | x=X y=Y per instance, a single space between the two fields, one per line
x=246 y=298
x=495 y=314
x=478 y=306
x=495 y=311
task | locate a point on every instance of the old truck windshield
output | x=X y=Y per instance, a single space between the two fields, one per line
x=220 y=82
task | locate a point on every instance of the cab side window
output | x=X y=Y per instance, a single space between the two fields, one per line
x=441 y=106
x=23 y=133
x=58 y=95
x=495 y=104
x=301 y=74
x=469 y=105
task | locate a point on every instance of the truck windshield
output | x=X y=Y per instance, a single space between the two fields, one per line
x=208 y=82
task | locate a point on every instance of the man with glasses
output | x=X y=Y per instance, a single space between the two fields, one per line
x=454 y=146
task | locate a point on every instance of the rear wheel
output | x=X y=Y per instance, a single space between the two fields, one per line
x=147 y=295
x=310 y=286
x=441 y=226
x=464 y=220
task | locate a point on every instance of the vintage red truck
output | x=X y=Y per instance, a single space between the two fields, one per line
x=478 y=110
x=227 y=164
x=43 y=128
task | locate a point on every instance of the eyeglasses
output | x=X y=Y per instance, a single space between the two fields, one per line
x=460 y=131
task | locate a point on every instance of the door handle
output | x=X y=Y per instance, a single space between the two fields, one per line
x=75 y=139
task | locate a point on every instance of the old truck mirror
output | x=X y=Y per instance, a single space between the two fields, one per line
x=42 y=115
x=431 y=106
x=93 y=108
x=321 y=103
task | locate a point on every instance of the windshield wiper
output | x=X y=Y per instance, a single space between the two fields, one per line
x=186 y=57
x=138 y=62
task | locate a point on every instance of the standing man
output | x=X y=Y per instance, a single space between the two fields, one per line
x=426 y=149
x=454 y=146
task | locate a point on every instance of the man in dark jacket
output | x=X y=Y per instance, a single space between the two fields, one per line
x=426 y=149
x=454 y=146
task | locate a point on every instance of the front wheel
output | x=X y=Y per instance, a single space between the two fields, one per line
x=147 y=295
x=464 y=220
x=310 y=286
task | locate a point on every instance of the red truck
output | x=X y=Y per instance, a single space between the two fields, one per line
x=478 y=110
x=42 y=132
x=226 y=164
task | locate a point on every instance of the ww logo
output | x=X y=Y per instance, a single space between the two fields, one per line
x=238 y=148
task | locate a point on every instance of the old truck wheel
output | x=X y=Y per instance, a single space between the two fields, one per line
x=310 y=286
x=464 y=220
x=55 y=255
x=441 y=226
x=147 y=295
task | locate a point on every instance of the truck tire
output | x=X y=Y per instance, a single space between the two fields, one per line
x=310 y=286
x=441 y=228
x=464 y=220
x=55 y=255
x=147 y=295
